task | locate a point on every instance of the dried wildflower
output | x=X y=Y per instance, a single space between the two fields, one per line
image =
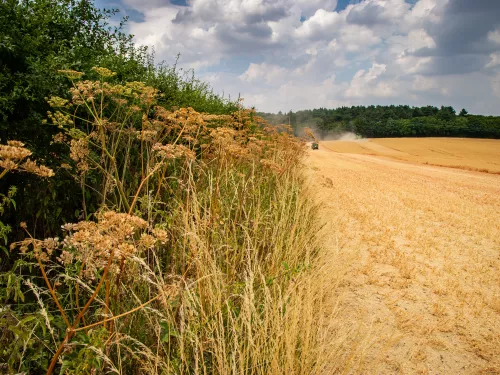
x=79 y=150
x=271 y=165
x=221 y=118
x=93 y=242
x=120 y=101
x=147 y=241
x=66 y=166
x=103 y=72
x=8 y=165
x=66 y=257
x=11 y=156
x=14 y=152
x=71 y=74
x=160 y=234
x=147 y=135
x=170 y=151
x=236 y=150
x=87 y=91
x=41 y=249
x=40 y=170
x=190 y=139
x=59 y=138
x=15 y=143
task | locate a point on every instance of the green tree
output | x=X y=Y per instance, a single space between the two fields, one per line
x=39 y=37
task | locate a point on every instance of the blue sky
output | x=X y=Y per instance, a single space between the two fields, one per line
x=298 y=54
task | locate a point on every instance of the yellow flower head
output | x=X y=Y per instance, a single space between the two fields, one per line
x=71 y=74
x=103 y=72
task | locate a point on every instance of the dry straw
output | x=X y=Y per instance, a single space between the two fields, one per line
x=202 y=257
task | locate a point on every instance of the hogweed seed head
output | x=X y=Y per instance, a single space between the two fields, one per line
x=11 y=152
x=40 y=170
x=71 y=74
x=15 y=143
x=103 y=72
x=57 y=102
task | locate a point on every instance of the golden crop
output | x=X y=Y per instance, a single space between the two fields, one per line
x=472 y=154
x=422 y=280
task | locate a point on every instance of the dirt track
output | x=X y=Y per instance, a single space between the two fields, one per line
x=422 y=287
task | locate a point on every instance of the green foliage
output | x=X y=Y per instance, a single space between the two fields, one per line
x=391 y=121
x=86 y=354
x=220 y=196
x=39 y=37
x=22 y=346
x=5 y=229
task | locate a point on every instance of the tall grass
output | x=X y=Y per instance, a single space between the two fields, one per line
x=196 y=254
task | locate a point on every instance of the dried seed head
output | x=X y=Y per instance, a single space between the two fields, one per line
x=79 y=150
x=15 y=143
x=14 y=152
x=170 y=151
x=39 y=170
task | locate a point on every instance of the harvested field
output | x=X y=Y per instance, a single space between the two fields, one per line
x=471 y=154
x=420 y=246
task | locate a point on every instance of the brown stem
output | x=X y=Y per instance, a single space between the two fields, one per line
x=160 y=182
x=104 y=321
x=70 y=332
x=140 y=187
x=4 y=173
x=77 y=292
x=58 y=353
x=53 y=294
x=106 y=301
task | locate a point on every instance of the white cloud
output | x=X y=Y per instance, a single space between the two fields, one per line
x=494 y=60
x=309 y=7
x=354 y=37
x=495 y=85
x=379 y=51
x=494 y=36
x=421 y=83
x=322 y=24
x=365 y=83
x=268 y=73
x=419 y=39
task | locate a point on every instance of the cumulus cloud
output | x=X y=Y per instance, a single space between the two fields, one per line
x=364 y=83
x=371 y=13
x=464 y=36
x=264 y=72
x=295 y=54
x=495 y=85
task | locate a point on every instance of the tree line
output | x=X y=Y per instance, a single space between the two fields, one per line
x=391 y=121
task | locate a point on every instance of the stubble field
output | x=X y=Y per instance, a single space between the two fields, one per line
x=419 y=248
x=471 y=154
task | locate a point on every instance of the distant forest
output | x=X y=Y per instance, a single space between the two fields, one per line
x=390 y=121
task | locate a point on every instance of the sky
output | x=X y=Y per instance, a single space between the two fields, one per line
x=303 y=54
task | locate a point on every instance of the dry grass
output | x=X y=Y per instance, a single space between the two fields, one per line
x=420 y=246
x=472 y=154
x=202 y=258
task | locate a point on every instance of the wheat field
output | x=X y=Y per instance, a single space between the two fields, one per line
x=420 y=250
x=472 y=154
